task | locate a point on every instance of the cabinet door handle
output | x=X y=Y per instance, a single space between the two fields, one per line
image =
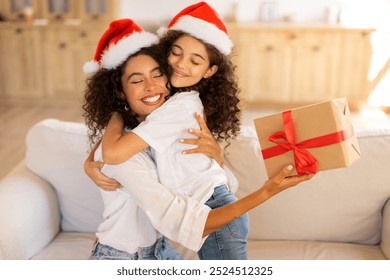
x=316 y=48
x=19 y=30
x=83 y=34
x=62 y=46
x=269 y=48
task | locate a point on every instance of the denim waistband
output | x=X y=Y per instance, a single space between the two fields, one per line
x=220 y=190
x=143 y=253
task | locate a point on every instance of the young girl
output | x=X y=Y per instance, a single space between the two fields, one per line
x=135 y=215
x=198 y=52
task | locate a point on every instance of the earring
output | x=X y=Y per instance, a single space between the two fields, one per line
x=127 y=108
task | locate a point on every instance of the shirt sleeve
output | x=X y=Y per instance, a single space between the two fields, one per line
x=232 y=181
x=181 y=219
x=166 y=124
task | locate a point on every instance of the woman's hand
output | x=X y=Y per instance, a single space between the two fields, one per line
x=206 y=142
x=283 y=181
x=92 y=169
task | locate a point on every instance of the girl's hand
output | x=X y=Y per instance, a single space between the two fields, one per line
x=206 y=142
x=283 y=181
x=92 y=169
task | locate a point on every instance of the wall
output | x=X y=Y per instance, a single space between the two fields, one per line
x=362 y=12
x=152 y=14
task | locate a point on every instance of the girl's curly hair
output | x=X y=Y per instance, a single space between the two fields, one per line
x=102 y=95
x=219 y=93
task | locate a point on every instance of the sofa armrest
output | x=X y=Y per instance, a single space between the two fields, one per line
x=385 y=243
x=29 y=214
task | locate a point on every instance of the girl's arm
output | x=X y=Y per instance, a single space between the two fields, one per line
x=205 y=142
x=119 y=147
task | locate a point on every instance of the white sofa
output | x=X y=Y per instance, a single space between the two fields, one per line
x=49 y=209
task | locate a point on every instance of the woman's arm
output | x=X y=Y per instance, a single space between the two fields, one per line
x=92 y=169
x=181 y=218
x=221 y=216
x=119 y=147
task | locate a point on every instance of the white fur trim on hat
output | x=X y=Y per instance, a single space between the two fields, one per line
x=204 y=31
x=116 y=54
x=161 y=31
x=91 y=67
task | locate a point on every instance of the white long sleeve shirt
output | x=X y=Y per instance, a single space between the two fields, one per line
x=136 y=215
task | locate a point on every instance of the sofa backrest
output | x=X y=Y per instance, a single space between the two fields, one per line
x=336 y=205
x=56 y=150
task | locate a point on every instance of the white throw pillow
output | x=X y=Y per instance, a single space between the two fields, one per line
x=56 y=151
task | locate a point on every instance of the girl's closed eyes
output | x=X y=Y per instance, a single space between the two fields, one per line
x=195 y=59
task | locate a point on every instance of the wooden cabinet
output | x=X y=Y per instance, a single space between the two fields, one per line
x=354 y=64
x=54 y=10
x=287 y=65
x=46 y=62
x=43 y=60
x=21 y=61
x=65 y=52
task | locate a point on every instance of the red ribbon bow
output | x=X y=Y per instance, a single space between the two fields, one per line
x=305 y=162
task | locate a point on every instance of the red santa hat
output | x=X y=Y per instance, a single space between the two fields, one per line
x=122 y=39
x=203 y=22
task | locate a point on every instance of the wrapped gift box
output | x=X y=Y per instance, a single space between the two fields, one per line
x=313 y=138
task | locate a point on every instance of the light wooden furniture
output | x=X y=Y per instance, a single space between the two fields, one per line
x=65 y=50
x=42 y=60
x=285 y=65
x=21 y=61
x=60 y=9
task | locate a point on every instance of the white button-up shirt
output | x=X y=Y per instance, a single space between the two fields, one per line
x=136 y=215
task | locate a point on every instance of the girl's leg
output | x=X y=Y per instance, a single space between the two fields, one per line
x=229 y=242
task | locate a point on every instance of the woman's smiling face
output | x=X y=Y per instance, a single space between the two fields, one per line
x=189 y=61
x=144 y=85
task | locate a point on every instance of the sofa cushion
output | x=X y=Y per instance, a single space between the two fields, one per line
x=336 y=205
x=68 y=246
x=56 y=151
x=312 y=250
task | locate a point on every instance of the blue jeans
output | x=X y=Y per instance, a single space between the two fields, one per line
x=161 y=250
x=229 y=242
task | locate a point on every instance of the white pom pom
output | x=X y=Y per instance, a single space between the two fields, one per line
x=91 y=67
x=161 y=31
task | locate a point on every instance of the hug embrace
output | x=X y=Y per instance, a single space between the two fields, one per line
x=158 y=109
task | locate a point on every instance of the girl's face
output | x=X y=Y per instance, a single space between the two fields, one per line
x=189 y=61
x=144 y=85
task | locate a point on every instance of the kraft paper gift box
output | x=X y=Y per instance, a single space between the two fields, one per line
x=313 y=138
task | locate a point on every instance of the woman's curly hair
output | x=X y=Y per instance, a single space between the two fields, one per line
x=219 y=93
x=102 y=95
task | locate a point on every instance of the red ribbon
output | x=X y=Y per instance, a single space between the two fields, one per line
x=305 y=162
